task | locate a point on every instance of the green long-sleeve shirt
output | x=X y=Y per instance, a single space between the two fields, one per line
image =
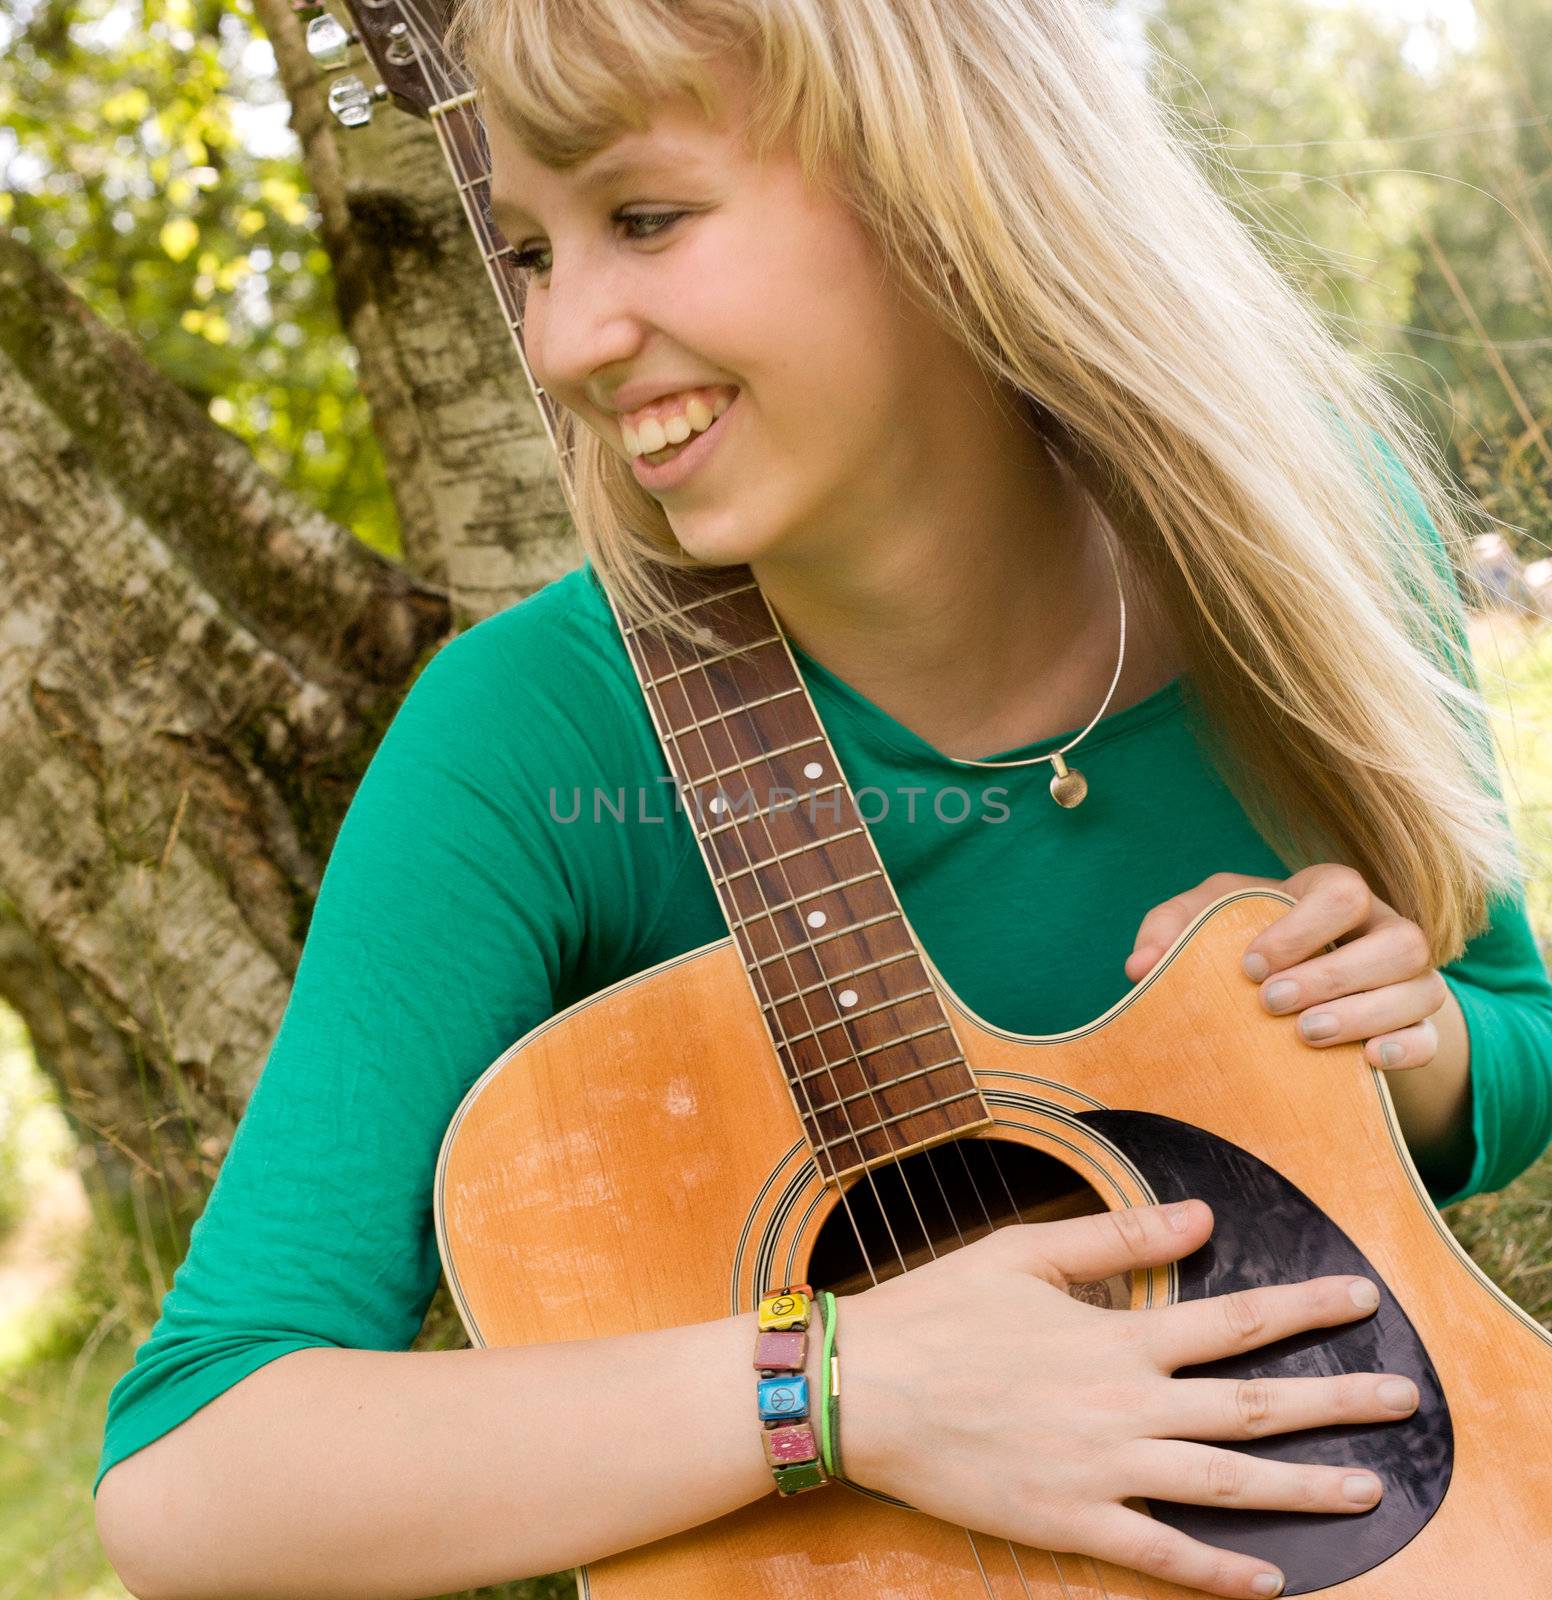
x=475 y=889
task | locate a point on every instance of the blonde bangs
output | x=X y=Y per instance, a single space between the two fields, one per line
x=570 y=76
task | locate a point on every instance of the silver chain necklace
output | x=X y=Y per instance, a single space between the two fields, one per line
x=1068 y=785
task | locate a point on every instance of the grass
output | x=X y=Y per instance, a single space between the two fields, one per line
x=1509 y=1234
x=60 y=1357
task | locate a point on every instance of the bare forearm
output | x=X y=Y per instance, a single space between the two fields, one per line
x=337 y=1474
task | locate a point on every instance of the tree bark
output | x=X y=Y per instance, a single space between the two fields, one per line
x=473 y=473
x=195 y=667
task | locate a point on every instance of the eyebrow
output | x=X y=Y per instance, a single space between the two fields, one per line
x=603 y=170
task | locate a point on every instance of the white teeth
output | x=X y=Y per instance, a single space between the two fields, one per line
x=657 y=433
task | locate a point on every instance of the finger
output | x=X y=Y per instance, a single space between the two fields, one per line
x=1168 y=920
x=1083 y=1249
x=1252 y=1408
x=1199 y=1475
x=1130 y=1539
x=1410 y=1047
x=1333 y=901
x=1362 y=1016
x=1395 y=951
x=1193 y=1331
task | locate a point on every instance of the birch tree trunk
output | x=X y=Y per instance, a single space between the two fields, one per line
x=195 y=665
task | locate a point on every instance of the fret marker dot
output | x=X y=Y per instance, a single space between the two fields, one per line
x=847 y=997
x=817 y=919
x=718 y=804
x=813 y=770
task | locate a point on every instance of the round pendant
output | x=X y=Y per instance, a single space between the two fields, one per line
x=1068 y=785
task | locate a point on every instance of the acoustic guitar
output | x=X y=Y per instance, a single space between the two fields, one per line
x=806 y=1099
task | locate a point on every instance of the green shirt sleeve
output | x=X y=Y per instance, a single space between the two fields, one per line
x=455 y=914
x=1501 y=978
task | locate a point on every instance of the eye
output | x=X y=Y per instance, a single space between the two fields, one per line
x=527 y=261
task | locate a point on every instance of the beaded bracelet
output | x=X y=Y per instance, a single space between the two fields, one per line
x=781 y=1358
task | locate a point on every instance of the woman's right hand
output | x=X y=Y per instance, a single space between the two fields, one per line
x=978 y=1390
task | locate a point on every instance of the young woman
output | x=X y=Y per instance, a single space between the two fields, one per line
x=969 y=324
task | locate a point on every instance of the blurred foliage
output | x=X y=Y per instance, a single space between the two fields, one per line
x=144 y=153
x=1408 y=197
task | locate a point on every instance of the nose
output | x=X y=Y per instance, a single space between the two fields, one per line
x=583 y=321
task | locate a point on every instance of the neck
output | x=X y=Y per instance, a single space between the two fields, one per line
x=979 y=624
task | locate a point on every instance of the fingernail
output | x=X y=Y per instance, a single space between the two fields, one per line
x=1398 y=1394
x=1319 y=1026
x=1267 y=1583
x=1179 y=1215
x=1361 y=1490
x=1364 y=1295
x=1279 y=996
x=1255 y=965
x=1390 y=1054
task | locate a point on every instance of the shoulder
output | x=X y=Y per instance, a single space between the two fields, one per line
x=551 y=666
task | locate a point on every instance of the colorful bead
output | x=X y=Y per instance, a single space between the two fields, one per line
x=781 y=1351
x=792 y=1442
x=793 y=1480
x=789 y=1309
x=782 y=1399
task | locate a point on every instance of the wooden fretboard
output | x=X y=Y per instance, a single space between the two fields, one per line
x=873 y=1064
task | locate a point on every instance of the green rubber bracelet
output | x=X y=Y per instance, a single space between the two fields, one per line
x=829 y=1401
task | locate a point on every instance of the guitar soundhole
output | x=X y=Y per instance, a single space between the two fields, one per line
x=901 y=1214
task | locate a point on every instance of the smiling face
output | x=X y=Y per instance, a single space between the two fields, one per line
x=689 y=265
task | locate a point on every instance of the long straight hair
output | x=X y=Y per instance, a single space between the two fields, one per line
x=1296 y=525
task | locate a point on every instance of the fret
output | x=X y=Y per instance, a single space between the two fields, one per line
x=879 y=1088
x=798 y=899
x=861 y=1011
x=786 y=955
x=705 y=600
x=873 y=1049
x=721 y=716
x=770 y=810
x=764 y=755
x=830 y=983
x=899 y=1116
x=796 y=850
x=709 y=661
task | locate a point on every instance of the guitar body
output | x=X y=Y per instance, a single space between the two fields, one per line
x=641 y=1151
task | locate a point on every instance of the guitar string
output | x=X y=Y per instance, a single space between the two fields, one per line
x=454 y=157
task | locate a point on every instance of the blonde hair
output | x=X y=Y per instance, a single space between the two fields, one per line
x=1028 y=185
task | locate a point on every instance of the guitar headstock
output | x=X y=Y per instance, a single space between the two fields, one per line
x=403 y=41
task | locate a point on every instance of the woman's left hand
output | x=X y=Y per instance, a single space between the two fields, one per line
x=1377 y=985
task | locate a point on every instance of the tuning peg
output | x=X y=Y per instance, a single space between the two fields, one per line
x=351 y=101
x=401 y=48
x=328 y=40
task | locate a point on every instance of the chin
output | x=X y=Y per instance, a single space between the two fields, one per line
x=721 y=542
